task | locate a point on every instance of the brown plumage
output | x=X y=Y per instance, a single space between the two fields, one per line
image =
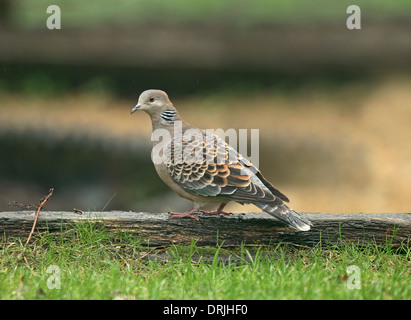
x=203 y=168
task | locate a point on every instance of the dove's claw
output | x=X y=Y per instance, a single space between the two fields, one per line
x=189 y=213
x=218 y=211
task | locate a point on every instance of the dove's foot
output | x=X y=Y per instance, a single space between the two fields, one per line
x=189 y=214
x=218 y=211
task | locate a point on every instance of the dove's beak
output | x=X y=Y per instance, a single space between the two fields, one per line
x=137 y=107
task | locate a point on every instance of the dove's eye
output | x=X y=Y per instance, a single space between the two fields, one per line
x=152 y=99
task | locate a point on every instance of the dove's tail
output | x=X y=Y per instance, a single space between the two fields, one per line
x=287 y=215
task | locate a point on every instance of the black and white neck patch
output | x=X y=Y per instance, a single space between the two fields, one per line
x=169 y=115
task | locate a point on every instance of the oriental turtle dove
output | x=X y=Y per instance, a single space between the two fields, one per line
x=203 y=168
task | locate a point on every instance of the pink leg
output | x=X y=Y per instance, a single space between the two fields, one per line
x=188 y=213
x=218 y=211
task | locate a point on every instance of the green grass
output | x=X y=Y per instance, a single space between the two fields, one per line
x=97 y=264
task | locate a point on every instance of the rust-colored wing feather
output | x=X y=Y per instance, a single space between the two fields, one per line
x=211 y=168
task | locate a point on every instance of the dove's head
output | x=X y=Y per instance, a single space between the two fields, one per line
x=154 y=102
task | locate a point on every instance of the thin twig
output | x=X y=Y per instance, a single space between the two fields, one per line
x=37 y=213
x=42 y=203
x=79 y=211
x=22 y=205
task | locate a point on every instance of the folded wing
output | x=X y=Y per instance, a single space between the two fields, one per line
x=211 y=168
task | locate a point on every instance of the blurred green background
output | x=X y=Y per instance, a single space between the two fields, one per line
x=333 y=105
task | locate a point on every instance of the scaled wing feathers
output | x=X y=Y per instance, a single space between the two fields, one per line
x=210 y=167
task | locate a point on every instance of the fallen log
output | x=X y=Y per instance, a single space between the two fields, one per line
x=159 y=229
